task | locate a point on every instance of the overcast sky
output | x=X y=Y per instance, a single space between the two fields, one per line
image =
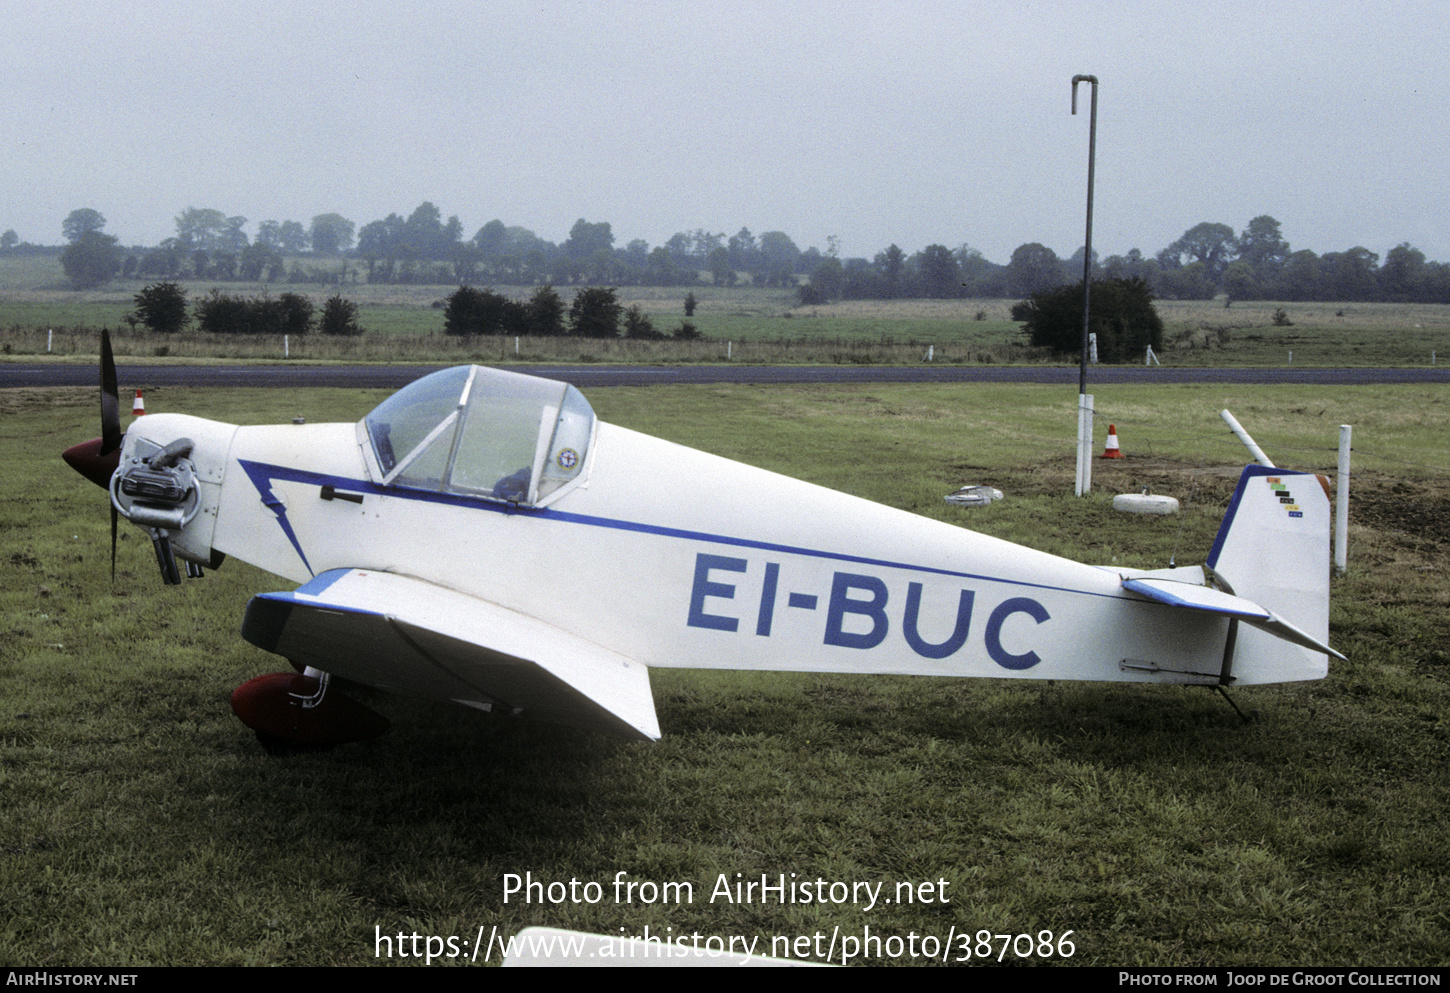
x=911 y=122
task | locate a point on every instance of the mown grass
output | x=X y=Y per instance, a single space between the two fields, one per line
x=140 y=823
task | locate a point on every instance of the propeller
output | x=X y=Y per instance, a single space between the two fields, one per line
x=159 y=492
x=98 y=459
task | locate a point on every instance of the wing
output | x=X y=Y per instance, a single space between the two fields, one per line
x=399 y=633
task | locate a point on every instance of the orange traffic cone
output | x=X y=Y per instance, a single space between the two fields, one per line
x=139 y=406
x=1112 y=451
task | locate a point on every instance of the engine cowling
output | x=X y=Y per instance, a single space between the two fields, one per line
x=169 y=480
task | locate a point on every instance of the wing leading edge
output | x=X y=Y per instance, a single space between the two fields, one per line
x=400 y=633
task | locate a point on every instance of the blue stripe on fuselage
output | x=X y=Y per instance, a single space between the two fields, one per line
x=262 y=475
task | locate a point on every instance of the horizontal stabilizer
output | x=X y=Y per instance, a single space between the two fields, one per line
x=400 y=633
x=1210 y=600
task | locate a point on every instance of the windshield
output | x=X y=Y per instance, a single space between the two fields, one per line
x=483 y=432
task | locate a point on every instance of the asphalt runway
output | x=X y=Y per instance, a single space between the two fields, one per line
x=296 y=376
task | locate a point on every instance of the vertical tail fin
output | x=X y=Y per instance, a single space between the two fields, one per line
x=1273 y=549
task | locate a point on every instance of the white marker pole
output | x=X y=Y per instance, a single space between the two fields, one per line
x=1341 y=502
x=1077 y=478
x=1238 y=429
x=1084 y=482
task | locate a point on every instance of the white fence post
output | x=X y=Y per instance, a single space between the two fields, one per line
x=1341 y=502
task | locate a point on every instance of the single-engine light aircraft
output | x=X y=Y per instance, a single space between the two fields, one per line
x=481 y=537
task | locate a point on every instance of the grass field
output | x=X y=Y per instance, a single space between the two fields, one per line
x=743 y=324
x=141 y=824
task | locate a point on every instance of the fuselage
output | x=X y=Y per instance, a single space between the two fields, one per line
x=678 y=558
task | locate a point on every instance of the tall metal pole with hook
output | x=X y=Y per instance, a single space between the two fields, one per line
x=1087 y=261
x=1085 y=403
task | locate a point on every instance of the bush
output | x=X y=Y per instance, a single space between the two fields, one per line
x=293 y=313
x=809 y=296
x=161 y=307
x=638 y=325
x=339 y=316
x=219 y=313
x=1122 y=316
x=546 y=311
x=469 y=311
x=595 y=313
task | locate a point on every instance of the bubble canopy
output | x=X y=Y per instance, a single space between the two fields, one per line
x=480 y=432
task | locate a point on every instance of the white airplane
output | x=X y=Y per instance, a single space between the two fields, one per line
x=481 y=537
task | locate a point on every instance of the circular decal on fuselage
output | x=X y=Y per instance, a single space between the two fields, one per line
x=567 y=459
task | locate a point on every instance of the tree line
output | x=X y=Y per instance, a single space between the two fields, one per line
x=1209 y=259
x=163 y=307
x=595 y=312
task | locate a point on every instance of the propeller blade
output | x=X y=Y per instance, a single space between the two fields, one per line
x=98 y=460
x=110 y=399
